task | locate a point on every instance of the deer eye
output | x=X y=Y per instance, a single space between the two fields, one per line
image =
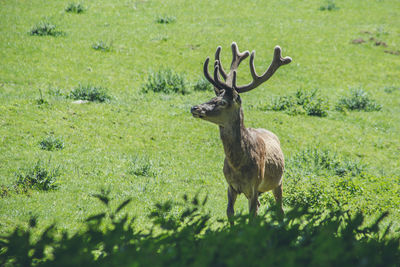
x=223 y=103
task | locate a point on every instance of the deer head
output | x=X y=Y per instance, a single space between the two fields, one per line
x=226 y=106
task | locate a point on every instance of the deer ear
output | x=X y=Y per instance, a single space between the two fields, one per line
x=238 y=99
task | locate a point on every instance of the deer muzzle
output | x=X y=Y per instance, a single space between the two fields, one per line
x=197 y=112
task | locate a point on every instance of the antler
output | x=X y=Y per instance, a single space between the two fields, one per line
x=230 y=78
x=257 y=80
x=237 y=58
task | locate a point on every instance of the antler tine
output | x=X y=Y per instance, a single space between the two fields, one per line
x=257 y=80
x=237 y=57
x=220 y=84
x=221 y=70
x=208 y=77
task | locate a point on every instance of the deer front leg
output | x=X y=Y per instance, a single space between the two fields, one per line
x=278 y=192
x=230 y=212
x=254 y=203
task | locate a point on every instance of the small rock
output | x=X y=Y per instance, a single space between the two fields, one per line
x=80 y=102
x=380 y=43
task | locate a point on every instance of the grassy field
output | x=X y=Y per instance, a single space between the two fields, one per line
x=147 y=145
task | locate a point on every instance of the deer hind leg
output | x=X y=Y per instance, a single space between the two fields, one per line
x=230 y=212
x=278 y=191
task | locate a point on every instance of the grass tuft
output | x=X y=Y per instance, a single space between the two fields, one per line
x=329 y=5
x=51 y=143
x=39 y=177
x=165 y=81
x=45 y=28
x=102 y=46
x=90 y=93
x=165 y=19
x=357 y=100
x=303 y=102
x=77 y=8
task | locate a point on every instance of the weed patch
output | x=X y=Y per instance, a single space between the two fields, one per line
x=45 y=28
x=165 y=19
x=357 y=100
x=39 y=177
x=77 y=8
x=90 y=93
x=391 y=89
x=102 y=46
x=303 y=102
x=202 y=85
x=51 y=143
x=165 y=81
x=142 y=166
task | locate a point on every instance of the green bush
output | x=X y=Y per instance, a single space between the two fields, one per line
x=51 y=143
x=77 y=8
x=357 y=100
x=202 y=85
x=165 y=81
x=39 y=177
x=45 y=28
x=90 y=93
x=303 y=102
x=304 y=238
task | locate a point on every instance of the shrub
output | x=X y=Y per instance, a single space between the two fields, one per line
x=102 y=46
x=39 y=177
x=329 y=5
x=357 y=100
x=51 y=143
x=165 y=81
x=44 y=28
x=142 y=166
x=165 y=19
x=77 y=8
x=90 y=93
x=202 y=85
x=305 y=237
x=303 y=102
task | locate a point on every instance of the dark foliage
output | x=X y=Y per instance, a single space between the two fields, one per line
x=51 y=143
x=44 y=28
x=77 y=8
x=303 y=238
x=38 y=177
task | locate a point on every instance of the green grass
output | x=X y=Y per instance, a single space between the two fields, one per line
x=103 y=137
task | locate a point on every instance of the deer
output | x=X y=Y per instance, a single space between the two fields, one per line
x=254 y=161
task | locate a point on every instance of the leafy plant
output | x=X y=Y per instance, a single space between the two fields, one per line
x=39 y=177
x=329 y=5
x=165 y=19
x=202 y=85
x=142 y=166
x=303 y=102
x=357 y=100
x=51 y=143
x=102 y=46
x=45 y=28
x=332 y=237
x=77 y=8
x=90 y=93
x=165 y=81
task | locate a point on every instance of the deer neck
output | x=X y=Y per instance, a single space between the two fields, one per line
x=233 y=136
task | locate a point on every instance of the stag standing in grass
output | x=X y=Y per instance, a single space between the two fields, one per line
x=254 y=161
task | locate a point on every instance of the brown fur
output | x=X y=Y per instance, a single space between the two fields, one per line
x=254 y=162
